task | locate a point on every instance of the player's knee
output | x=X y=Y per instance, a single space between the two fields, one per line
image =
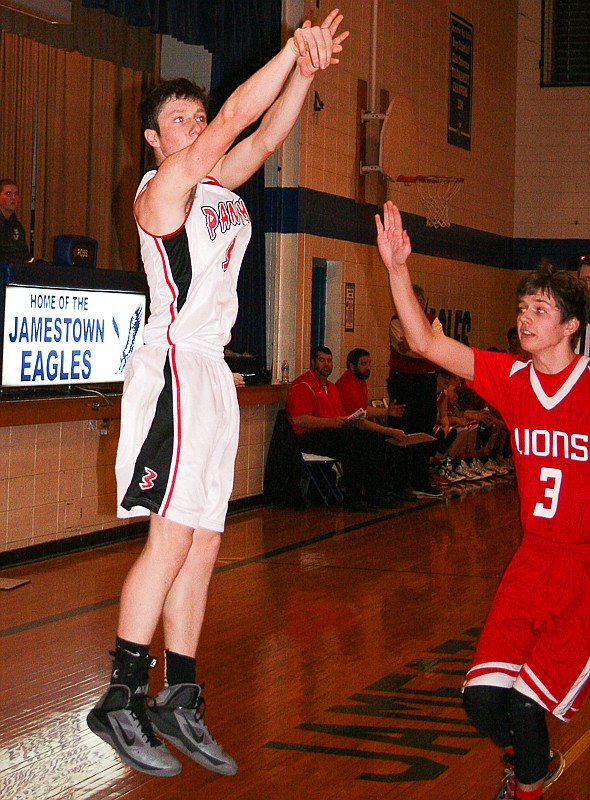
x=488 y=710
x=531 y=738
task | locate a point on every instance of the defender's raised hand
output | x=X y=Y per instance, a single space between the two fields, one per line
x=316 y=45
x=392 y=240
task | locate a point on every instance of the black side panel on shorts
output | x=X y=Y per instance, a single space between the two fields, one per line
x=152 y=468
x=178 y=253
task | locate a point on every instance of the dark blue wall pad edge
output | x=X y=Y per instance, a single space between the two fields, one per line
x=300 y=210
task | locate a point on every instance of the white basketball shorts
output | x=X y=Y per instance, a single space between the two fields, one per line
x=179 y=437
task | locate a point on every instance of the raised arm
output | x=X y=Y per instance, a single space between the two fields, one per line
x=395 y=248
x=161 y=208
x=315 y=49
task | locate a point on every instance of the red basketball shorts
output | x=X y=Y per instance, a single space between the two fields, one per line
x=537 y=635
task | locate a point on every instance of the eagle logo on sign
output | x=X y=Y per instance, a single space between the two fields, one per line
x=134 y=324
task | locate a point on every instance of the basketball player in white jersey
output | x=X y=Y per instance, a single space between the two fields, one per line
x=180 y=417
x=533 y=655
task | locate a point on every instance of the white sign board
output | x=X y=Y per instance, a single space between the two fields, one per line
x=69 y=336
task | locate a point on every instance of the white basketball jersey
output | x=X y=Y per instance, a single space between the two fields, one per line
x=193 y=272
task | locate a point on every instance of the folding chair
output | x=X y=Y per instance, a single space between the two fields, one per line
x=319 y=470
x=288 y=473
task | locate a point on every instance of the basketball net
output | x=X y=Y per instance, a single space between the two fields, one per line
x=435 y=192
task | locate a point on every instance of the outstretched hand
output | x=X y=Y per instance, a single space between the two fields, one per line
x=316 y=45
x=392 y=240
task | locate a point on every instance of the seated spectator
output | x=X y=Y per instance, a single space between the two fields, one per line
x=498 y=446
x=13 y=241
x=318 y=418
x=445 y=433
x=481 y=437
x=354 y=394
x=487 y=431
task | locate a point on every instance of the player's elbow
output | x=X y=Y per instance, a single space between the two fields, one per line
x=267 y=140
x=420 y=344
x=235 y=116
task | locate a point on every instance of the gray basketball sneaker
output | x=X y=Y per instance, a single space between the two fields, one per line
x=177 y=715
x=120 y=719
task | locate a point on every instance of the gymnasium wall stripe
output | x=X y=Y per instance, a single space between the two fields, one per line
x=301 y=210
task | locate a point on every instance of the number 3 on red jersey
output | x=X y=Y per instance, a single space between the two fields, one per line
x=552 y=477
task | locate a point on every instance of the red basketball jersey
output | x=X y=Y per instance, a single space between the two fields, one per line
x=549 y=420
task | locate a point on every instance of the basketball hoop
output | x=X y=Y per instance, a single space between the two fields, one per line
x=436 y=192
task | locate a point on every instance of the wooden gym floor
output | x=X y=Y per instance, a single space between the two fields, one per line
x=333 y=654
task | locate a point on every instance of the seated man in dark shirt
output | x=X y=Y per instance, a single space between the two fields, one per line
x=13 y=242
x=316 y=414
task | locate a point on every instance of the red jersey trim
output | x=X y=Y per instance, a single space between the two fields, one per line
x=165 y=235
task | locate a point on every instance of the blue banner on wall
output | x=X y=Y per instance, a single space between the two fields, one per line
x=460 y=89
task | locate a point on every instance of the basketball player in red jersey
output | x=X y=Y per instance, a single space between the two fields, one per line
x=533 y=655
x=180 y=415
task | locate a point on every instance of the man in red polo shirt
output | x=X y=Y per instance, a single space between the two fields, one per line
x=354 y=393
x=318 y=418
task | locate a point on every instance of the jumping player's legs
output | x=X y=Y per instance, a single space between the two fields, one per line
x=120 y=717
x=178 y=463
x=171 y=579
x=184 y=608
x=176 y=713
x=151 y=577
x=172 y=576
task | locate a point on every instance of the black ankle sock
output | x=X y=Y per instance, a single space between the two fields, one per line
x=131 y=648
x=131 y=662
x=179 y=668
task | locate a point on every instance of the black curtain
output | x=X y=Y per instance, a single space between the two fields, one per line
x=256 y=37
x=229 y=27
x=242 y=35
